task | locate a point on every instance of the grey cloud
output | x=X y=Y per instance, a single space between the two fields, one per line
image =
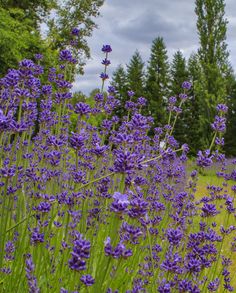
x=148 y=26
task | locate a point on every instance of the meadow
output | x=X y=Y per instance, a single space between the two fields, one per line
x=107 y=208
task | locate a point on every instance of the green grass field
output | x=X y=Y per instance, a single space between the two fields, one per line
x=223 y=218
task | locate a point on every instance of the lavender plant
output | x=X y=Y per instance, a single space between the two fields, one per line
x=106 y=208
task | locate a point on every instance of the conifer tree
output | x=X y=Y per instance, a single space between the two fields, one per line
x=135 y=75
x=179 y=74
x=119 y=81
x=157 y=84
x=195 y=106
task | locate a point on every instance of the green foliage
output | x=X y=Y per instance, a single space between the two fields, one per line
x=196 y=106
x=69 y=14
x=18 y=38
x=230 y=139
x=135 y=74
x=35 y=10
x=213 y=54
x=20 y=29
x=119 y=81
x=179 y=74
x=157 y=85
x=213 y=57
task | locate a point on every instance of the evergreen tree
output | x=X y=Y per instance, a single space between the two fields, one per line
x=157 y=84
x=119 y=81
x=213 y=54
x=179 y=74
x=135 y=75
x=195 y=106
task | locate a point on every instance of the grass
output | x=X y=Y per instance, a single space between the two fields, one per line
x=205 y=179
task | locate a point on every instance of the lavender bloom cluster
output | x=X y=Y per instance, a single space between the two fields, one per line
x=106 y=208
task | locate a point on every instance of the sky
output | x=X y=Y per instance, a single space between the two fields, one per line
x=129 y=25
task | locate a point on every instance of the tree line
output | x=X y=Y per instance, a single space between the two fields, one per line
x=208 y=69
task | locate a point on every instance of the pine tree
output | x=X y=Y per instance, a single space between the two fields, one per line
x=135 y=75
x=119 y=81
x=213 y=54
x=157 y=83
x=179 y=74
x=195 y=106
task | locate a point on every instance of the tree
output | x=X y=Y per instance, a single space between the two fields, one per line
x=213 y=54
x=35 y=10
x=157 y=84
x=119 y=81
x=195 y=107
x=69 y=14
x=135 y=75
x=21 y=20
x=18 y=39
x=230 y=137
x=179 y=74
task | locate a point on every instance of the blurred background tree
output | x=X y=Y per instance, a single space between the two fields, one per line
x=21 y=26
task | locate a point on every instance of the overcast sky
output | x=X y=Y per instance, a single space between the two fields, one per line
x=128 y=25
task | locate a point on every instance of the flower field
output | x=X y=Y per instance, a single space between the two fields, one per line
x=107 y=208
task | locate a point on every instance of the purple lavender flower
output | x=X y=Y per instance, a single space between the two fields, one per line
x=75 y=31
x=219 y=141
x=194 y=265
x=138 y=208
x=172 y=100
x=9 y=250
x=106 y=49
x=106 y=62
x=32 y=281
x=44 y=207
x=77 y=264
x=38 y=56
x=209 y=210
x=183 y=97
x=77 y=140
x=104 y=76
x=219 y=124
x=88 y=280
x=141 y=101
x=204 y=159
x=120 y=202
x=222 y=108
x=124 y=161
x=131 y=93
x=186 y=85
x=36 y=236
x=174 y=236
x=66 y=55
